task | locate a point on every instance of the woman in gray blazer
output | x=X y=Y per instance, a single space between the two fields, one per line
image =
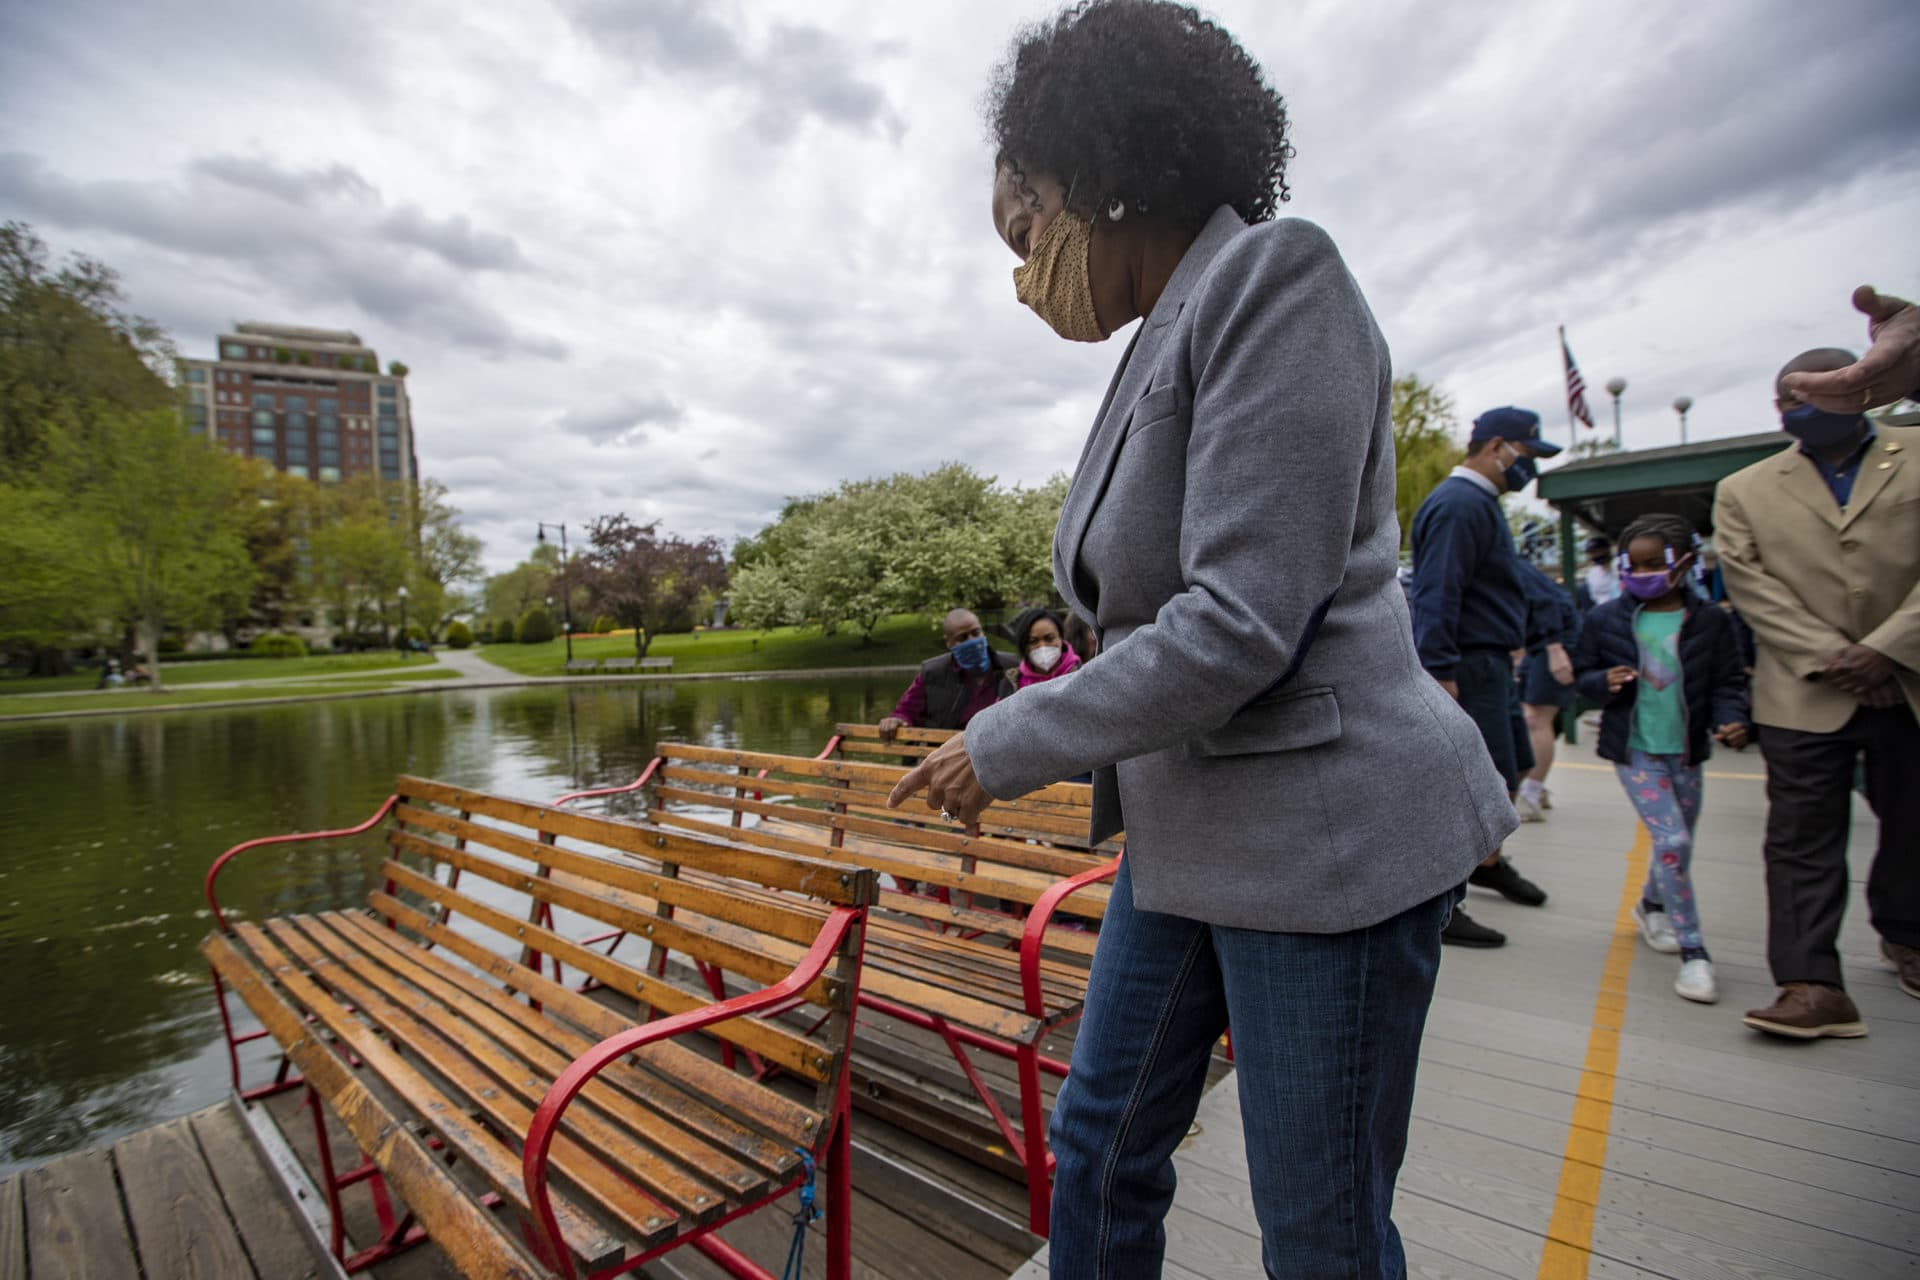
x=1301 y=802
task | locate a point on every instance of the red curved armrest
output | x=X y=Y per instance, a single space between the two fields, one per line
x=1036 y=929
x=219 y=863
x=646 y=776
x=546 y=1119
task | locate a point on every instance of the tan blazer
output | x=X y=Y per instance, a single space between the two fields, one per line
x=1812 y=577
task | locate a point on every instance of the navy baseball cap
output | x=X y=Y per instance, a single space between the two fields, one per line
x=1515 y=426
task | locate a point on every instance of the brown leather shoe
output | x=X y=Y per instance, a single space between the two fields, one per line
x=1808 y=1011
x=1905 y=962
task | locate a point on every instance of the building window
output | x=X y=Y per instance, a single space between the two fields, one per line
x=265 y=435
x=328 y=404
x=329 y=475
x=294 y=469
x=295 y=402
x=388 y=391
x=196 y=375
x=296 y=451
x=232 y=351
x=263 y=418
x=262 y=400
x=196 y=395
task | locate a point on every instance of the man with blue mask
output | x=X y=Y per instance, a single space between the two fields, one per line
x=1469 y=605
x=952 y=688
x=1820 y=552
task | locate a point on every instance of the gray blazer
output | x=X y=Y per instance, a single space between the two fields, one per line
x=1257 y=720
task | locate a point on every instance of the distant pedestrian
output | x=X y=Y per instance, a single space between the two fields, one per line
x=954 y=687
x=1666 y=669
x=1601 y=581
x=1820 y=549
x=1546 y=681
x=1470 y=616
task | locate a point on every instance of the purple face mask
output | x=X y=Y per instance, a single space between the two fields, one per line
x=1646 y=586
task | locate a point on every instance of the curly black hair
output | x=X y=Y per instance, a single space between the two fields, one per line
x=1673 y=530
x=1143 y=102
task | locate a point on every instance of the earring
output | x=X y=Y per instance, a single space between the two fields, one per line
x=1116 y=211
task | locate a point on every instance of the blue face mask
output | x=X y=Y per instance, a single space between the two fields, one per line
x=1521 y=474
x=1818 y=429
x=972 y=654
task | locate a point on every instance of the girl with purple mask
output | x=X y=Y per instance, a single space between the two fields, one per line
x=1665 y=667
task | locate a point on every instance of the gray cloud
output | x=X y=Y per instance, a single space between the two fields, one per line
x=323 y=235
x=623 y=419
x=798 y=71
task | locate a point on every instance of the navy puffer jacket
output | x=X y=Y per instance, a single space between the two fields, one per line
x=1713 y=676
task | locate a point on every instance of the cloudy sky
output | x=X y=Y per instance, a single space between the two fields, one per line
x=682 y=259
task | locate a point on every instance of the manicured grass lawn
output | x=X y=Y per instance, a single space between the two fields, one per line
x=905 y=638
x=141 y=699
x=188 y=673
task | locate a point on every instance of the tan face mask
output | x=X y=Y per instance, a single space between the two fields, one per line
x=1056 y=279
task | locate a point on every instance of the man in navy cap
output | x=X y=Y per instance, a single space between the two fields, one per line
x=1470 y=613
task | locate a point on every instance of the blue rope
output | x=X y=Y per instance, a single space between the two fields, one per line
x=804 y=1215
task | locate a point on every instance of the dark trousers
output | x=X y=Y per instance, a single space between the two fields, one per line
x=1488 y=695
x=1326 y=1037
x=1809 y=806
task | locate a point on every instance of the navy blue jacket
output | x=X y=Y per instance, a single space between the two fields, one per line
x=1552 y=617
x=1713 y=676
x=1467 y=591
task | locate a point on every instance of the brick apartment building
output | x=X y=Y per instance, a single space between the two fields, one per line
x=313 y=402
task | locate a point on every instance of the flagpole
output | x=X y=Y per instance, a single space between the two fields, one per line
x=1573 y=433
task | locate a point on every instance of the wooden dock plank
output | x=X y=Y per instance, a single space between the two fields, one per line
x=180 y=1226
x=76 y=1229
x=268 y=1230
x=13 y=1231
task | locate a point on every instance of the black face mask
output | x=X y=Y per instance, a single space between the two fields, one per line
x=1521 y=474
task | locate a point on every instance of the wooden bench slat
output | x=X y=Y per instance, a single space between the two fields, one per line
x=646 y=1104
x=742 y=958
x=759 y=1106
x=1008 y=929
x=1013 y=853
x=870 y=776
x=723 y=901
x=819 y=878
x=496 y=1163
x=505 y=1084
x=774 y=1043
x=473 y=1240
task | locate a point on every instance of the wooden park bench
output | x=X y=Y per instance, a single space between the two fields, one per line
x=965 y=945
x=584 y=665
x=439 y=1027
x=656 y=664
x=619 y=664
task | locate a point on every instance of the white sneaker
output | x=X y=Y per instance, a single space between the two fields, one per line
x=1696 y=983
x=1546 y=798
x=1528 y=810
x=1655 y=929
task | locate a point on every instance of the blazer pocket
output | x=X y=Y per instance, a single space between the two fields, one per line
x=1284 y=721
x=1162 y=404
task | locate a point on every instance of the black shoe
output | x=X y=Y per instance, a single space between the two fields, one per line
x=1461 y=931
x=1509 y=884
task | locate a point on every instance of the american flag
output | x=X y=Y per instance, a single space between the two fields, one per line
x=1576 y=385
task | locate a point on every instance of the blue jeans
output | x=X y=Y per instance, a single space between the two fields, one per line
x=1326 y=1038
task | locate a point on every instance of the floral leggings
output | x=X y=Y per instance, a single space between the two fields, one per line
x=1665 y=792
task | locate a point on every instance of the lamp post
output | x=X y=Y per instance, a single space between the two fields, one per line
x=1614 y=387
x=566 y=582
x=403 y=624
x=1680 y=406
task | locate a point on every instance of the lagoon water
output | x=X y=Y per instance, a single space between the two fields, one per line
x=107 y=826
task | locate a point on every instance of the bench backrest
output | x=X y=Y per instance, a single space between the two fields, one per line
x=549 y=879
x=837 y=808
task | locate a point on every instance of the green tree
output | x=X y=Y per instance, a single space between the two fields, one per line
x=510 y=594
x=536 y=626
x=160 y=507
x=447 y=559
x=1424 y=448
x=459 y=635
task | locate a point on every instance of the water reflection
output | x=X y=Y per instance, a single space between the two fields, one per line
x=107 y=826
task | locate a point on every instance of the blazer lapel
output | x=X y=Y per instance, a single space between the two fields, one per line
x=1881 y=465
x=1800 y=479
x=1130 y=382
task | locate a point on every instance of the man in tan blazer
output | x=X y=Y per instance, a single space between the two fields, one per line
x=1820 y=549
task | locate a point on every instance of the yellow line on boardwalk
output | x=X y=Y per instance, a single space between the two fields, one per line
x=1570 y=1233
